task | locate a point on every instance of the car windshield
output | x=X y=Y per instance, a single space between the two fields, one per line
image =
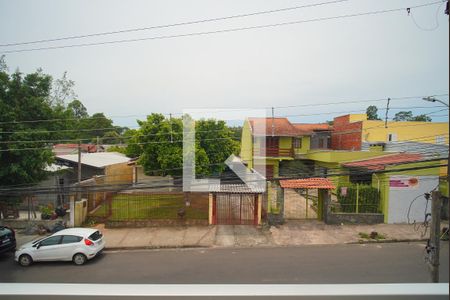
x=95 y=236
x=37 y=241
x=4 y=231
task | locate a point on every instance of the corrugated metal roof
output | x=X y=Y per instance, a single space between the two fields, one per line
x=307 y=183
x=379 y=163
x=98 y=160
x=235 y=189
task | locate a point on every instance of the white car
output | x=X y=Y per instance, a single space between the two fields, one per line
x=74 y=244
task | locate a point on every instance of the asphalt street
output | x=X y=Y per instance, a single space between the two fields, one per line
x=328 y=264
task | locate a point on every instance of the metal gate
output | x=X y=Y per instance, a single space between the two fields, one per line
x=235 y=209
x=300 y=204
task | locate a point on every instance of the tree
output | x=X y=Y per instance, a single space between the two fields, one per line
x=62 y=91
x=98 y=124
x=24 y=97
x=158 y=144
x=372 y=113
x=408 y=116
x=3 y=65
x=218 y=142
x=77 y=109
x=422 y=118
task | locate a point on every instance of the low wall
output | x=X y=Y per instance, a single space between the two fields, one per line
x=22 y=224
x=352 y=218
x=155 y=223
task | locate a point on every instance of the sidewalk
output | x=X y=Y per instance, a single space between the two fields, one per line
x=293 y=233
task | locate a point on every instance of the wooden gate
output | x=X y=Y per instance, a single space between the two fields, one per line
x=235 y=209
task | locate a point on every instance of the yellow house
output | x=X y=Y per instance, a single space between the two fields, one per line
x=268 y=141
x=351 y=132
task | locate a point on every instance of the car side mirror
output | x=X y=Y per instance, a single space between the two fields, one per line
x=38 y=245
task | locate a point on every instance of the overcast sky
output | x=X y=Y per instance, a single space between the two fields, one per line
x=362 y=58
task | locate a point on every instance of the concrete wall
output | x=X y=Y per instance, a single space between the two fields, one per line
x=345 y=218
x=285 y=142
x=424 y=132
x=21 y=224
x=400 y=199
x=119 y=174
x=155 y=223
x=305 y=146
x=81 y=209
x=246 y=153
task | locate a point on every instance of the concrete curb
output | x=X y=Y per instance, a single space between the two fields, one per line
x=387 y=241
x=391 y=241
x=155 y=247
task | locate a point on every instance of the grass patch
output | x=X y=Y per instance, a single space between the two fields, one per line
x=372 y=236
x=363 y=235
x=144 y=207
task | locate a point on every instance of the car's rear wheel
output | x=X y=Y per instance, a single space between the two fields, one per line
x=25 y=260
x=79 y=259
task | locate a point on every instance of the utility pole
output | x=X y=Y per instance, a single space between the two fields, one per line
x=79 y=162
x=433 y=248
x=78 y=193
x=273 y=120
x=387 y=111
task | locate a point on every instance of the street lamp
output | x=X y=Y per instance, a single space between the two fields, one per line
x=433 y=99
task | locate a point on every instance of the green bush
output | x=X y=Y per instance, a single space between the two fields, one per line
x=368 y=199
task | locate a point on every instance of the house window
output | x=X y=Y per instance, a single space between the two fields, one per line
x=392 y=137
x=297 y=143
x=360 y=178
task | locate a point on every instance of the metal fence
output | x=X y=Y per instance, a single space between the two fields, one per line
x=357 y=198
x=152 y=206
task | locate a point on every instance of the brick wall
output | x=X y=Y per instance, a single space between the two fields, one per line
x=346 y=135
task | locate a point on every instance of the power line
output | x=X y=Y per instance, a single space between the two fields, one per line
x=222 y=30
x=172 y=25
x=226 y=110
x=355 y=111
x=436 y=17
x=93 y=188
x=178 y=141
x=143 y=143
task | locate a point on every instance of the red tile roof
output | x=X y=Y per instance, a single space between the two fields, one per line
x=379 y=163
x=307 y=183
x=281 y=127
x=310 y=128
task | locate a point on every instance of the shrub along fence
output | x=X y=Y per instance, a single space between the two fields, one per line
x=357 y=198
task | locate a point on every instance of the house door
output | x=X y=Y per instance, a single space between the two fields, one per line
x=272 y=146
x=235 y=209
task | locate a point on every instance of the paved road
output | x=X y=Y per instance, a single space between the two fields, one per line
x=373 y=263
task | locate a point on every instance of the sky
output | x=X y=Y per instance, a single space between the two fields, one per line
x=301 y=67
